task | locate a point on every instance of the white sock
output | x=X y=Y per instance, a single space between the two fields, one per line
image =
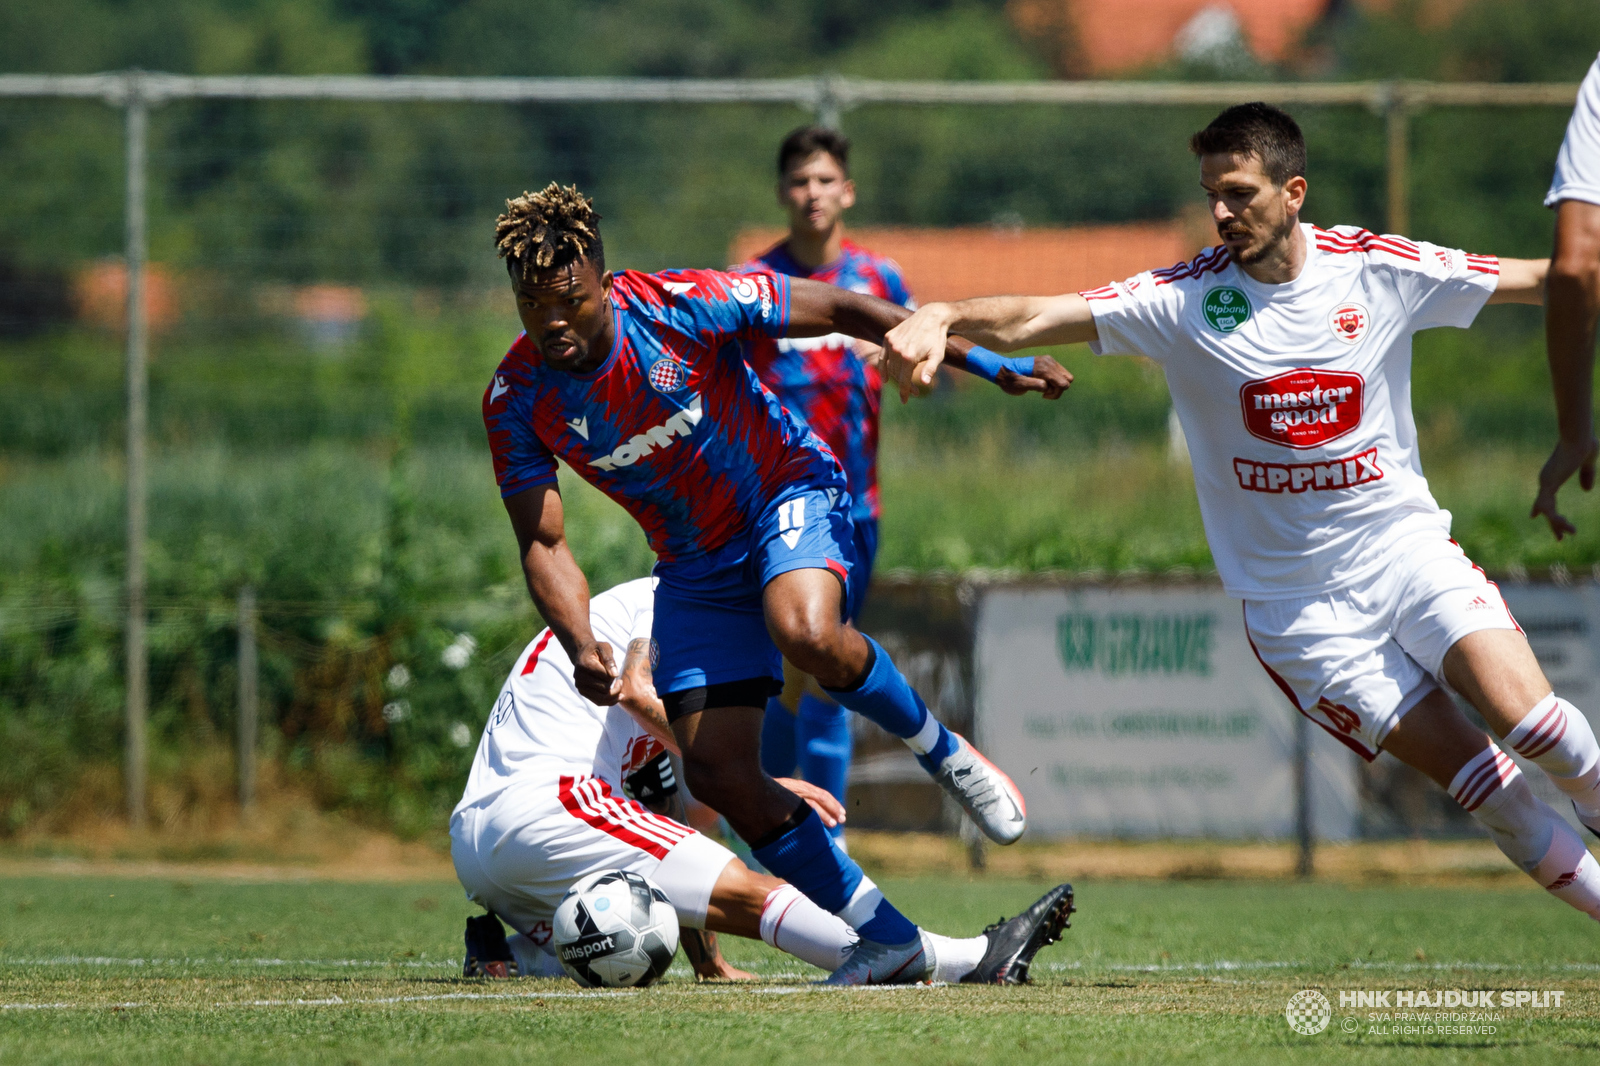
x=923 y=740
x=1569 y=873
x=1524 y=827
x=1557 y=738
x=953 y=959
x=532 y=960
x=790 y=922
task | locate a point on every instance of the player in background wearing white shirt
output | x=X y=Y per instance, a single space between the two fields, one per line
x=556 y=791
x=1572 y=302
x=1287 y=350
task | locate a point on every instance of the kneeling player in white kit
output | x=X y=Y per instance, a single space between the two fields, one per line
x=1287 y=350
x=556 y=792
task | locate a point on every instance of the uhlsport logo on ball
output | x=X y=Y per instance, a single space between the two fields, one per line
x=615 y=929
x=1308 y=1012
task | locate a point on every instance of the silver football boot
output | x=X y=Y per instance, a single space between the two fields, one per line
x=988 y=796
x=872 y=963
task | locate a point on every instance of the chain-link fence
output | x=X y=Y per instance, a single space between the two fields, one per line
x=245 y=324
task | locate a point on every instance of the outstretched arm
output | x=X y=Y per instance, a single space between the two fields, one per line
x=1571 y=311
x=915 y=348
x=817 y=308
x=559 y=589
x=1521 y=281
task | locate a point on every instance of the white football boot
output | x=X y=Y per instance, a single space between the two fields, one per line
x=988 y=796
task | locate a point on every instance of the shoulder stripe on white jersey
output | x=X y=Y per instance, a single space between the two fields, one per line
x=1212 y=259
x=1365 y=241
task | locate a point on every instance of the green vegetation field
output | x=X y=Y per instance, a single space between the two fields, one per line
x=114 y=970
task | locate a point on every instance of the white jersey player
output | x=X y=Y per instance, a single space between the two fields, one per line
x=1288 y=353
x=1573 y=302
x=548 y=800
x=555 y=793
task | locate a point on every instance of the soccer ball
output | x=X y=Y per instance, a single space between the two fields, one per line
x=615 y=929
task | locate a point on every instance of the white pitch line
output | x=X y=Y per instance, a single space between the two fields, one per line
x=1228 y=965
x=100 y=960
x=340 y=1001
x=70 y=1006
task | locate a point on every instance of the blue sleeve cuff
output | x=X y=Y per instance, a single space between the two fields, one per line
x=987 y=365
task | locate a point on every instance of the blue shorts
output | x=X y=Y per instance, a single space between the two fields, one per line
x=866 y=555
x=709 y=624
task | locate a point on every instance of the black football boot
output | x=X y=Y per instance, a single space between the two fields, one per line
x=1014 y=943
x=488 y=954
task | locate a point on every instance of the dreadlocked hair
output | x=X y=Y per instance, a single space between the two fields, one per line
x=550 y=228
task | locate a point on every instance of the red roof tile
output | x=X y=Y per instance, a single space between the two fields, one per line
x=1118 y=35
x=954 y=264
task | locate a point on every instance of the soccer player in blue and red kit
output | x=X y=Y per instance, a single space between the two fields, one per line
x=638 y=382
x=825 y=383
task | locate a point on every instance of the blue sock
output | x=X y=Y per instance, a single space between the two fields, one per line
x=806 y=857
x=885 y=697
x=822 y=735
x=778 y=740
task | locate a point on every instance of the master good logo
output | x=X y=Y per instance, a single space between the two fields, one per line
x=1302 y=408
x=1308 y=1012
x=1349 y=322
x=1226 y=309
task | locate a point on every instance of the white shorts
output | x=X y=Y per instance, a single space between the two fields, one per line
x=1356 y=660
x=519 y=853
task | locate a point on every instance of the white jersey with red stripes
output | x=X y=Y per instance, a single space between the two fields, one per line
x=542 y=728
x=544 y=803
x=1577 y=174
x=1296 y=398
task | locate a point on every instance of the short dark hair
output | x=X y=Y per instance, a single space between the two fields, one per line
x=548 y=229
x=1257 y=129
x=807 y=141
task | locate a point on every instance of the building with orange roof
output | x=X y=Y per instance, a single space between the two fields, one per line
x=957 y=263
x=1090 y=38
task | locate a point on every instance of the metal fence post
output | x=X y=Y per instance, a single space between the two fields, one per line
x=1302 y=795
x=247 y=697
x=1397 y=157
x=137 y=672
x=828 y=105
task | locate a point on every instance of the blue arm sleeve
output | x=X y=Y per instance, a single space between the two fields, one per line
x=987 y=365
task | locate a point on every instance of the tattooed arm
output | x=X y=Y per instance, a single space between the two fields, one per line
x=638 y=696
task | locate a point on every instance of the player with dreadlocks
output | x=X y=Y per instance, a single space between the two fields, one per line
x=638 y=383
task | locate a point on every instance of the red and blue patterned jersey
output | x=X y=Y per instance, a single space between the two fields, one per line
x=820 y=378
x=674 y=425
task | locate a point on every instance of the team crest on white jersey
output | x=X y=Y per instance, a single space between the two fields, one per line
x=1226 y=308
x=1349 y=322
x=667 y=375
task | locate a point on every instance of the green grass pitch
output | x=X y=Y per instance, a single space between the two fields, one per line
x=112 y=970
